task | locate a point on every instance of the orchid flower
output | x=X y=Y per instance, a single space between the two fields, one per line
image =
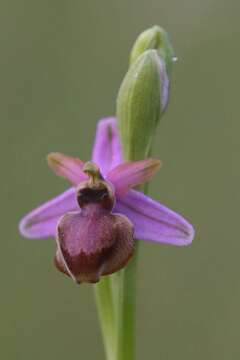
x=97 y=221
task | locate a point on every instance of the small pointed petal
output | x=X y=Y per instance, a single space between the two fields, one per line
x=68 y=167
x=42 y=222
x=107 y=147
x=131 y=174
x=153 y=221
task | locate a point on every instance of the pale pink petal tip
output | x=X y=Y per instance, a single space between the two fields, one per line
x=130 y=174
x=68 y=167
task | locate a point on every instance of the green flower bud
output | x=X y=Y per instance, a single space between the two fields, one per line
x=154 y=38
x=142 y=99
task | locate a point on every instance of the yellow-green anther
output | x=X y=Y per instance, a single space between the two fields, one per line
x=93 y=171
x=154 y=38
x=142 y=99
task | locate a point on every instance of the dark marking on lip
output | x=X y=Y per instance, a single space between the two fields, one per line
x=92 y=195
x=110 y=133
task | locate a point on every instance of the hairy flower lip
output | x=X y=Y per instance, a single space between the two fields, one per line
x=92 y=245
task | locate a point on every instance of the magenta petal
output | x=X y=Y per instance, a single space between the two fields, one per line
x=41 y=222
x=68 y=167
x=107 y=148
x=130 y=174
x=153 y=221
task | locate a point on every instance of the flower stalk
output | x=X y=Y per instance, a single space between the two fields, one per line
x=141 y=102
x=107 y=315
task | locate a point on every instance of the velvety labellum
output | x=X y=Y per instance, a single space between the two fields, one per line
x=93 y=241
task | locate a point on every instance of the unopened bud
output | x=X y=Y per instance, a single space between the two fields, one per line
x=142 y=99
x=154 y=38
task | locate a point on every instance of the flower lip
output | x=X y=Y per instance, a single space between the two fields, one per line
x=93 y=244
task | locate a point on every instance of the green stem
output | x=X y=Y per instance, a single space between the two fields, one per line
x=127 y=306
x=107 y=316
x=127 y=312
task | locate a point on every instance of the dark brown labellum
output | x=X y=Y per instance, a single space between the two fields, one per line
x=93 y=241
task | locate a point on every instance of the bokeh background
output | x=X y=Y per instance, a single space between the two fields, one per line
x=61 y=66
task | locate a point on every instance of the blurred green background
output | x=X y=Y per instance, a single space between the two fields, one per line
x=61 y=66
